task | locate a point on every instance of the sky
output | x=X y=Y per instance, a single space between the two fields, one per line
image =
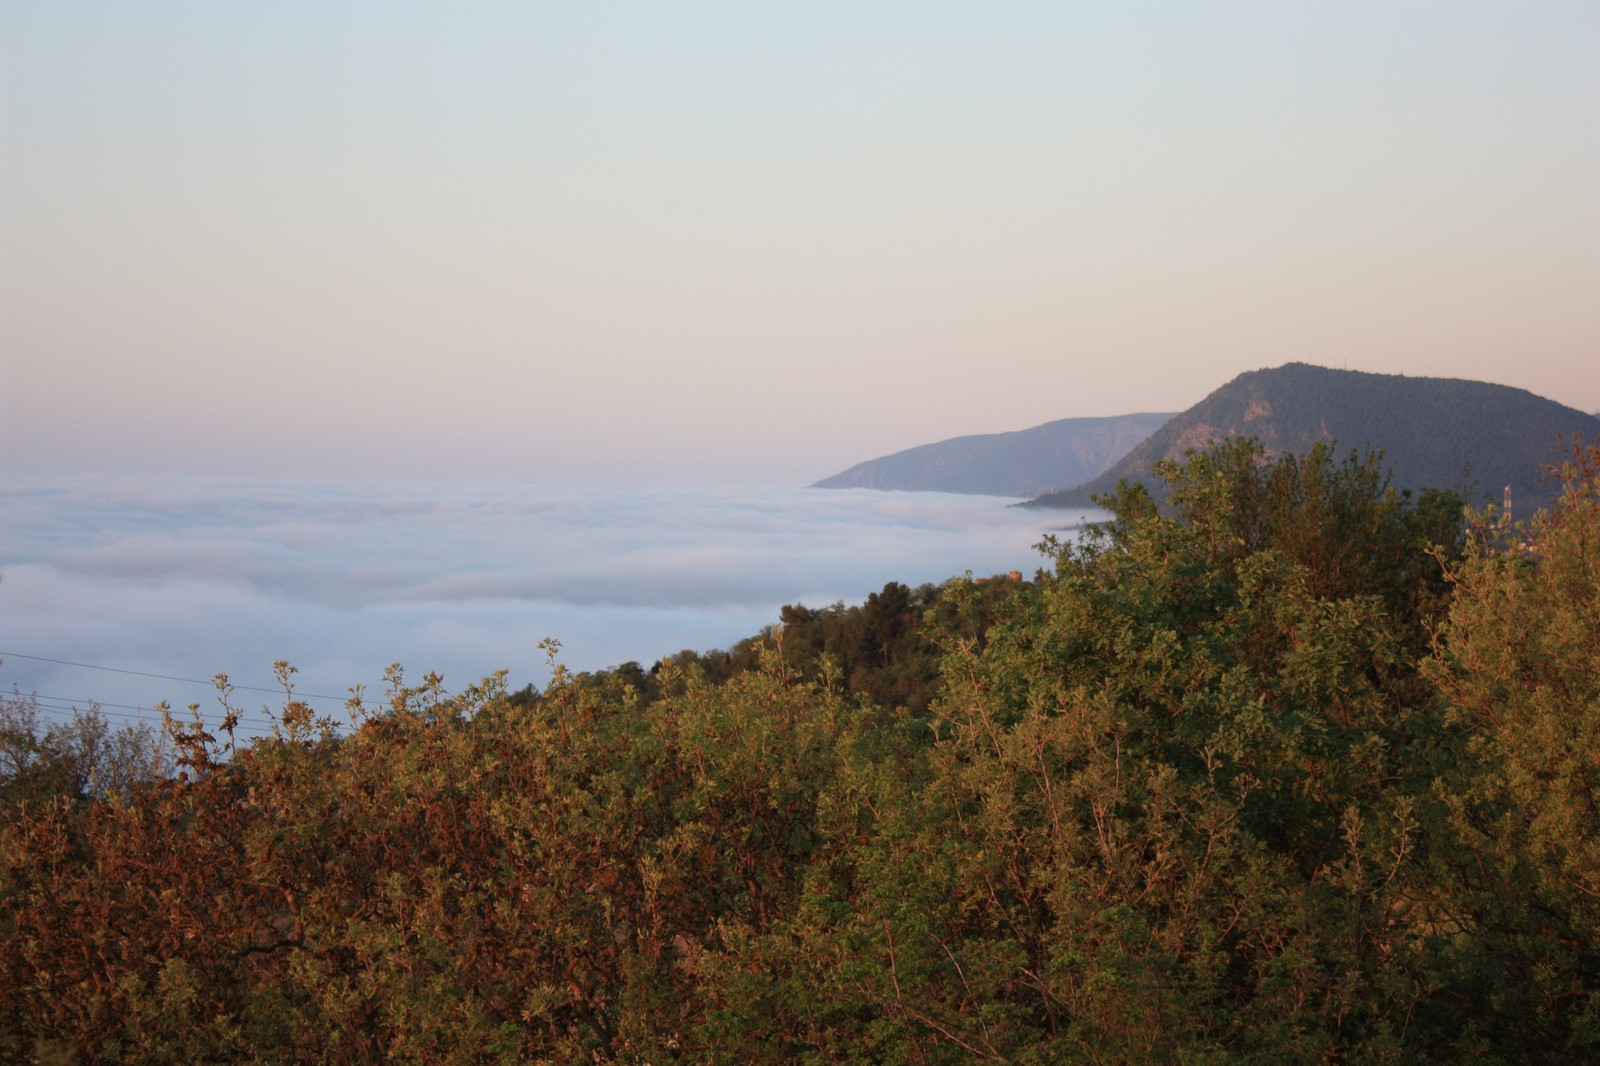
x=753 y=244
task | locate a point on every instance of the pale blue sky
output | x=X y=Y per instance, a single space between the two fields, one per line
x=758 y=243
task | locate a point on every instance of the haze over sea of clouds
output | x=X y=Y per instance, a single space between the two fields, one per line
x=193 y=577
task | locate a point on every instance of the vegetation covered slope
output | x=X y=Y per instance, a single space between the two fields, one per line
x=1024 y=463
x=1432 y=431
x=1287 y=771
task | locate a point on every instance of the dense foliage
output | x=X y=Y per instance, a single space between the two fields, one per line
x=884 y=650
x=1287 y=768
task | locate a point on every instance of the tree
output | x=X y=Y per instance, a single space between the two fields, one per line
x=1176 y=798
x=81 y=757
x=1519 y=661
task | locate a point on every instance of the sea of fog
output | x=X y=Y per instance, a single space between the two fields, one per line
x=105 y=581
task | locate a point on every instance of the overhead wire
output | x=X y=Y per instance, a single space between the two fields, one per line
x=60 y=707
x=64 y=705
x=172 y=677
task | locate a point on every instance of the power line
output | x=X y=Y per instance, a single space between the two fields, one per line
x=171 y=677
x=68 y=702
x=64 y=704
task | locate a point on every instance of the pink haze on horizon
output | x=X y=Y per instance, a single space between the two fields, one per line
x=733 y=243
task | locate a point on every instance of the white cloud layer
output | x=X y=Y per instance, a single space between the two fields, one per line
x=189 y=578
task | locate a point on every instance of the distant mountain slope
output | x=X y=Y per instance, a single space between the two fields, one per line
x=1022 y=463
x=1430 y=429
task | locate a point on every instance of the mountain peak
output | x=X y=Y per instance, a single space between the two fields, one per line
x=1021 y=463
x=1434 y=432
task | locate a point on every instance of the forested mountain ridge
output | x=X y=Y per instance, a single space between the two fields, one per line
x=1432 y=431
x=1025 y=462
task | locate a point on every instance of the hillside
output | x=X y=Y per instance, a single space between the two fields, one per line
x=1249 y=781
x=1439 y=432
x=1021 y=463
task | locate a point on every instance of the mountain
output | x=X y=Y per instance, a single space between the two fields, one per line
x=1434 y=432
x=1021 y=463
